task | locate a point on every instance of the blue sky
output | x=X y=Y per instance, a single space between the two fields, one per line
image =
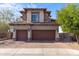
x=53 y=7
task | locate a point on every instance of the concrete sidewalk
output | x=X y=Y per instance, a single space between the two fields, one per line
x=38 y=52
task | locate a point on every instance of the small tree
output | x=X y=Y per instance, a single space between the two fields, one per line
x=6 y=15
x=68 y=18
x=4 y=26
x=53 y=20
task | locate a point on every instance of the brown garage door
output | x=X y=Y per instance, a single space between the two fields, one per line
x=43 y=35
x=21 y=35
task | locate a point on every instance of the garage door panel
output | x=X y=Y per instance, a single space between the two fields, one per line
x=21 y=35
x=43 y=34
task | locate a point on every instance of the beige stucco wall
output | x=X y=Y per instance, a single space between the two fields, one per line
x=26 y=27
x=41 y=17
x=44 y=27
x=28 y=16
x=46 y=17
x=21 y=27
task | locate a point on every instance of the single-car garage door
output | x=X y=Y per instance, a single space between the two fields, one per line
x=21 y=35
x=43 y=35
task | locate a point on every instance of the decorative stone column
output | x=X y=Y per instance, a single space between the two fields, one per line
x=13 y=31
x=56 y=36
x=29 y=34
x=14 y=34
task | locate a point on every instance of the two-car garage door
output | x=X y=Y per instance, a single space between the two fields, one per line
x=42 y=35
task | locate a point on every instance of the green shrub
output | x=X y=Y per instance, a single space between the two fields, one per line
x=4 y=27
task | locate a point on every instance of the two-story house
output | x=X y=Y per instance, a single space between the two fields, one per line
x=36 y=25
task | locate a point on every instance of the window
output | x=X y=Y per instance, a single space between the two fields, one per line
x=35 y=17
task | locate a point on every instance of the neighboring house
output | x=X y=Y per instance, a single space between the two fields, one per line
x=36 y=25
x=60 y=29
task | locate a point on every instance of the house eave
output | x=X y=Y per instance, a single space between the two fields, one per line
x=46 y=24
x=34 y=9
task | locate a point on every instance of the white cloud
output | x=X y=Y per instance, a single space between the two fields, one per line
x=9 y=5
x=6 y=5
x=13 y=6
x=31 y=5
x=17 y=7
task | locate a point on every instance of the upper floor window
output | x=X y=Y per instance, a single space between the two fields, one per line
x=35 y=16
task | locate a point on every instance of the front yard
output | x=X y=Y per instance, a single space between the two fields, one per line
x=20 y=44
